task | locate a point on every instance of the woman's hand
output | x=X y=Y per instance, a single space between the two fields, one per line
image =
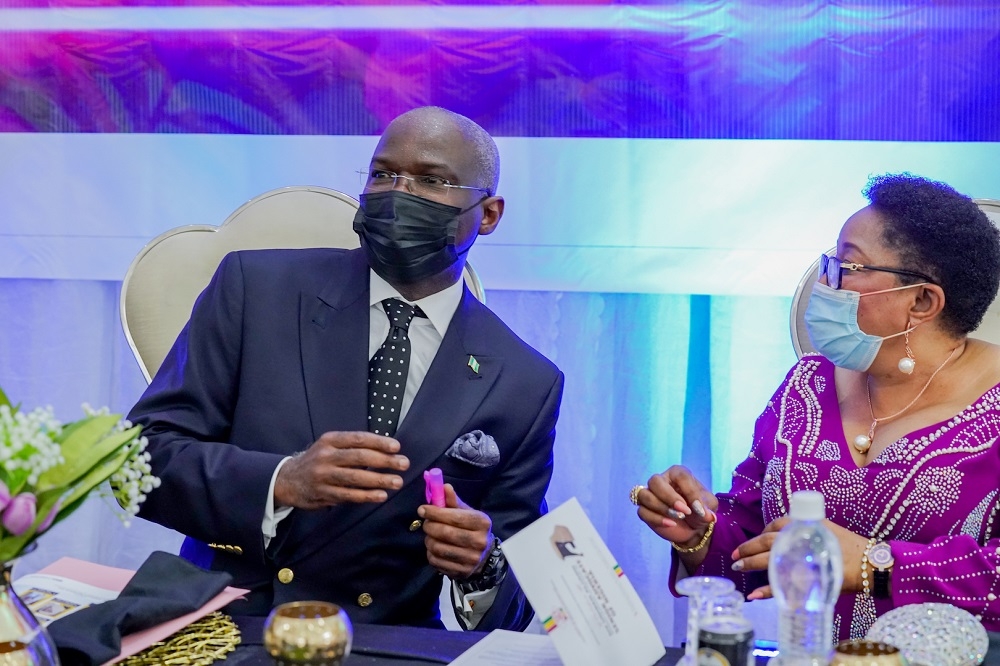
x=677 y=507
x=755 y=554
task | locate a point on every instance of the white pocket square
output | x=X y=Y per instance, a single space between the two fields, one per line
x=476 y=448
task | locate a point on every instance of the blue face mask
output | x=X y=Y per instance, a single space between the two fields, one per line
x=832 y=322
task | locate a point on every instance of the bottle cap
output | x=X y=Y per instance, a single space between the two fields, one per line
x=808 y=505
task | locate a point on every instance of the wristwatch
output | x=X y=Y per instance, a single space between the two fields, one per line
x=880 y=557
x=491 y=574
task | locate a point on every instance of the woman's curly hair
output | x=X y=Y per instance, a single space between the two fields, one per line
x=945 y=235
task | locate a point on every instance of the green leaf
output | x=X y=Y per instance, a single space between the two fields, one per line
x=16 y=479
x=82 y=450
x=77 y=436
x=3 y=399
x=10 y=547
x=98 y=474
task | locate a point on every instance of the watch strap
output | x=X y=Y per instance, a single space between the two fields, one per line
x=880 y=583
x=491 y=575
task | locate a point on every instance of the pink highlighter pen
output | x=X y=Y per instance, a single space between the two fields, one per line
x=434 y=490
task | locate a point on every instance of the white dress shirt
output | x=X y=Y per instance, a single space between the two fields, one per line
x=425 y=335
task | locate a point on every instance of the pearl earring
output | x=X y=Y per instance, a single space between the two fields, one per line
x=907 y=363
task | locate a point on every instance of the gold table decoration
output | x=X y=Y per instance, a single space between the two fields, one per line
x=200 y=643
x=313 y=633
x=866 y=653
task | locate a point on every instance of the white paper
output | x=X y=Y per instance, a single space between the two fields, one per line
x=586 y=604
x=52 y=597
x=510 y=648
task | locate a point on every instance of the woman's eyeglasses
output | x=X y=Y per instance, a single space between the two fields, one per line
x=833 y=268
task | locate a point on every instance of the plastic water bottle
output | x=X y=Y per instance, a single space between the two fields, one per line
x=806 y=571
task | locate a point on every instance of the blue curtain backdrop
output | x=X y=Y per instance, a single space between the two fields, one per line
x=670 y=170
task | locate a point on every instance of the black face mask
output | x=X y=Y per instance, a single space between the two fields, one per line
x=408 y=238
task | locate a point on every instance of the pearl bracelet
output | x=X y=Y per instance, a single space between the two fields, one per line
x=701 y=544
x=864 y=568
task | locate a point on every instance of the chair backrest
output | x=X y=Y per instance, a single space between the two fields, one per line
x=165 y=278
x=989 y=330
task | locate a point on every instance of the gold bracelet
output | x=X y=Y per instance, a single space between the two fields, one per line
x=701 y=544
x=864 y=568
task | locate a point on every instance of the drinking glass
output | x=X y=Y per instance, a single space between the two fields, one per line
x=700 y=591
x=727 y=604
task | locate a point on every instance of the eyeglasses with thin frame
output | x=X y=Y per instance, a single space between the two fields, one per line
x=833 y=268
x=380 y=180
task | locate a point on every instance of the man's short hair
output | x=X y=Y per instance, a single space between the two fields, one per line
x=487 y=157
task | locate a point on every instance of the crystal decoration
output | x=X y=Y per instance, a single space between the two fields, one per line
x=933 y=635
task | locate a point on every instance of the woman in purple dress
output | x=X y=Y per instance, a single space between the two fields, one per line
x=897 y=422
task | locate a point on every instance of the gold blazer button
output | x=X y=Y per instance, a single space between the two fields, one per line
x=415 y=525
x=364 y=600
x=286 y=575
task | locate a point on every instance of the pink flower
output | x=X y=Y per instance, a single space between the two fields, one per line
x=4 y=496
x=19 y=514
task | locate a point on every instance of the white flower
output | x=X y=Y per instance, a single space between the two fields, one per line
x=134 y=480
x=27 y=442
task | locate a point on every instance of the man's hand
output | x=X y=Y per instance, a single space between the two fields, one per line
x=754 y=555
x=341 y=467
x=458 y=538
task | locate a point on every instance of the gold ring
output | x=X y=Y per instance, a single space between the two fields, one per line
x=633 y=495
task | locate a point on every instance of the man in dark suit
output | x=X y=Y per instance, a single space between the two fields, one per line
x=273 y=421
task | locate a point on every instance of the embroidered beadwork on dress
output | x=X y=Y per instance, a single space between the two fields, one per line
x=864 y=615
x=792 y=413
x=894 y=452
x=771 y=503
x=894 y=508
x=988 y=530
x=936 y=489
x=828 y=451
x=928 y=484
x=807 y=474
x=813 y=415
x=842 y=489
x=973 y=525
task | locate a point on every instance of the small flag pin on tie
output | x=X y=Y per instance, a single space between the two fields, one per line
x=474 y=364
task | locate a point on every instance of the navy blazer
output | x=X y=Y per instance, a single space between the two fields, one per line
x=276 y=354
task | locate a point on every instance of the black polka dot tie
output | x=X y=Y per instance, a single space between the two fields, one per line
x=388 y=369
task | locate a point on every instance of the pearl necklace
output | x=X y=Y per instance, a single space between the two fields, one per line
x=863 y=442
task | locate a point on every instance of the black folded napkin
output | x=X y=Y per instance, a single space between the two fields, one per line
x=164 y=587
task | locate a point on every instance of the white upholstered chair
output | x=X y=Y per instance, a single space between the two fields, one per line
x=989 y=330
x=166 y=277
